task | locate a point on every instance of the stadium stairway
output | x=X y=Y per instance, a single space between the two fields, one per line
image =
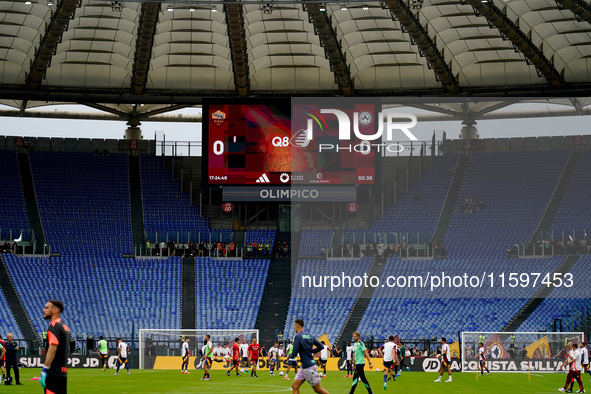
x=275 y=301
x=189 y=294
x=537 y=299
x=17 y=307
x=450 y=201
x=135 y=190
x=557 y=196
x=360 y=306
x=31 y=201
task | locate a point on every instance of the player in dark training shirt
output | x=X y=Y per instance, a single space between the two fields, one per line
x=54 y=375
x=306 y=346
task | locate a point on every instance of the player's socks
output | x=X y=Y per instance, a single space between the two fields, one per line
x=385 y=378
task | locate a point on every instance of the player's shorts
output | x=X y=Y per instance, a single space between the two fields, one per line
x=235 y=362
x=103 y=355
x=310 y=375
x=445 y=363
x=254 y=361
x=322 y=362
x=585 y=367
x=388 y=364
x=56 y=384
x=208 y=361
x=185 y=358
x=272 y=361
x=482 y=362
x=122 y=360
x=2 y=363
x=244 y=359
x=292 y=363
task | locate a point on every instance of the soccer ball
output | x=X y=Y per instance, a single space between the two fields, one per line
x=377 y=370
x=242 y=370
x=280 y=373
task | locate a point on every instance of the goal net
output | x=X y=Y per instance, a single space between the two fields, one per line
x=161 y=349
x=517 y=351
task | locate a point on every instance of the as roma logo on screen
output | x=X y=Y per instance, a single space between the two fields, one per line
x=218 y=118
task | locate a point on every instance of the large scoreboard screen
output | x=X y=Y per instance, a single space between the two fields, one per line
x=256 y=143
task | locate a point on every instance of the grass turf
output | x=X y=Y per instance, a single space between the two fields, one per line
x=148 y=381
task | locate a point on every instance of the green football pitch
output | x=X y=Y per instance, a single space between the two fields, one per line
x=147 y=381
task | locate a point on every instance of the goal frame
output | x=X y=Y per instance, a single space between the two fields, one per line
x=189 y=331
x=464 y=361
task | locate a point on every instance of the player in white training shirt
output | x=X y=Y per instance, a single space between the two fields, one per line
x=244 y=353
x=389 y=351
x=323 y=359
x=273 y=358
x=445 y=357
x=349 y=350
x=575 y=367
x=482 y=359
x=584 y=358
x=185 y=356
x=122 y=349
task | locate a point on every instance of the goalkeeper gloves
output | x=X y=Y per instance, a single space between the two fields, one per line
x=43 y=376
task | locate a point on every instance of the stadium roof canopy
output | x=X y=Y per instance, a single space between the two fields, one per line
x=112 y=54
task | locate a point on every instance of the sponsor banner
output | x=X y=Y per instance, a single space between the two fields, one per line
x=73 y=361
x=433 y=365
x=174 y=362
x=295 y=194
x=416 y=365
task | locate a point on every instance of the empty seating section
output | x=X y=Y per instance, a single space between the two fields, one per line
x=574 y=213
x=570 y=304
x=84 y=202
x=312 y=242
x=515 y=188
x=101 y=295
x=12 y=201
x=418 y=210
x=323 y=311
x=7 y=321
x=229 y=292
x=258 y=236
x=166 y=208
x=415 y=313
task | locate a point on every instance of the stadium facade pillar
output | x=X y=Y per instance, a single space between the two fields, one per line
x=189 y=294
x=133 y=133
x=469 y=133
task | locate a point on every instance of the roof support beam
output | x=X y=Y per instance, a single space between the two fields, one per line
x=237 y=36
x=143 y=46
x=580 y=8
x=332 y=48
x=521 y=42
x=400 y=11
x=53 y=35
